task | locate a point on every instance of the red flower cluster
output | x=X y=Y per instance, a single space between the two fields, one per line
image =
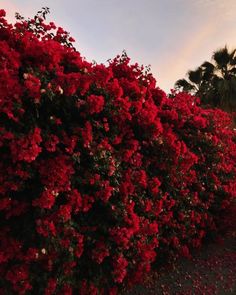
x=100 y=171
x=95 y=104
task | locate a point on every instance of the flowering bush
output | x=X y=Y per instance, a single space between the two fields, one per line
x=100 y=171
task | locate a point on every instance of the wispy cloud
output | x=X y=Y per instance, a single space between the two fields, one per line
x=216 y=29
x=180 y=60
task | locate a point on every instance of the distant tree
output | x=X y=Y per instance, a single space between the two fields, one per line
x=214 y=82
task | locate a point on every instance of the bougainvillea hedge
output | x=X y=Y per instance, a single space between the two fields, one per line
x=100 y=172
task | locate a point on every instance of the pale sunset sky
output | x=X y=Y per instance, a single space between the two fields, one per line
x=173 y=36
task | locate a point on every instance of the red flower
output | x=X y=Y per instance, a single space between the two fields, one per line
x=95 y=104
x=154 y=184
x=51 y=287
x=2 y=13
x=87 y=134
x=100 y=252
x=119 y=265
x=46 y=200
x=33 y=84
x=27 y=148
x=65 y=212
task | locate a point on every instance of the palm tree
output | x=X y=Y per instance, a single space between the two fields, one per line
x=214 y=82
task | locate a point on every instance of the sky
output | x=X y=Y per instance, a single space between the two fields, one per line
x=173 y=36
